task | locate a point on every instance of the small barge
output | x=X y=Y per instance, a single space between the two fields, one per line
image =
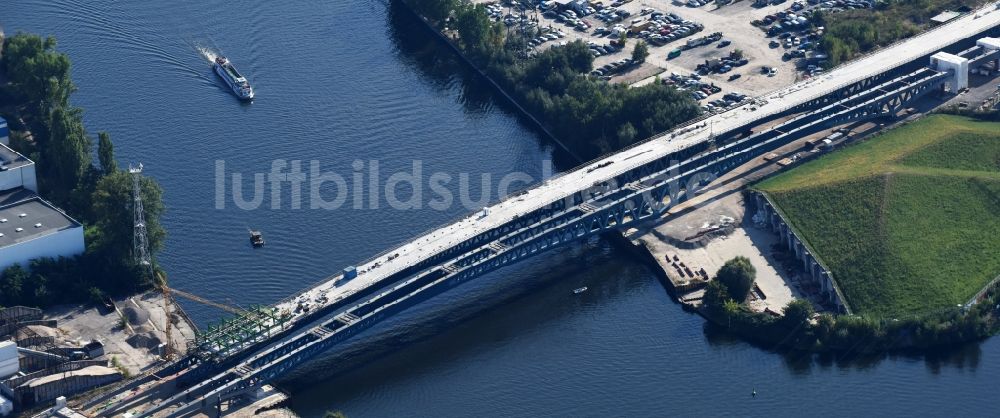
x=256 y=239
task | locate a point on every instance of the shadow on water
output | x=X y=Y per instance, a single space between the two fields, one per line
x=419 y=47
x=462 y=322
x=962 y=357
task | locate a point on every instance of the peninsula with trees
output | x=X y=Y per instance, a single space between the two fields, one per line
x=93 y=189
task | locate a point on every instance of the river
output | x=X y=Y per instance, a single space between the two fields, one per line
x=348 y=83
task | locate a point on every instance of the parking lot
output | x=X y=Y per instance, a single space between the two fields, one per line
x=681 y=38
x=746 y=48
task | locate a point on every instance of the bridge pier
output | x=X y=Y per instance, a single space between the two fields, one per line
x=957 y=66
x=993 y=46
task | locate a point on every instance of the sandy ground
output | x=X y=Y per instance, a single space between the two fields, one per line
x=77 y=326
x=747 y=241
x=713 y=205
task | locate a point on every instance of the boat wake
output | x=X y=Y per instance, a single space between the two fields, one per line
x=208 y=53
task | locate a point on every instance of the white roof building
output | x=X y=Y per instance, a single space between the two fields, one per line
x=31 y=227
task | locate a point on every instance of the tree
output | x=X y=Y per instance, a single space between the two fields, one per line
x=640 y=52
x=38 y=73
x=737 y=54
x=626 y=134
x=732 y=309
x=12 y=283
x=38 y=286
x=106 y=153
x=65 y=154
x=798 y=312
x=738 y=276
x=437 y=10
x=112 y=201
x=715 y=295
x=332 y=414
x=825 y=326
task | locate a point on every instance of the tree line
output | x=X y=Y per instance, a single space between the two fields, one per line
x=800 y=328
x=587 y=114
x=854 y=32
x=96 y=193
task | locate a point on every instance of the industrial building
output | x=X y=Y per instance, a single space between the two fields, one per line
x=37 y=364
x=16 y=170
x=8 y=359
x=8 y=366
x=4 y=132
x=31 y=227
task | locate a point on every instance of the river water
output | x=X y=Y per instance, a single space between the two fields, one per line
x=345 y=84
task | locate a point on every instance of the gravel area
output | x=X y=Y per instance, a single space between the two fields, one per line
x=79 y=325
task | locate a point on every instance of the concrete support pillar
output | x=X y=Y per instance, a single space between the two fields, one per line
x=828 y=286
x=958 y=66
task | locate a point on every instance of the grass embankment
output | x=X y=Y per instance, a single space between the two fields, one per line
x=909 y=221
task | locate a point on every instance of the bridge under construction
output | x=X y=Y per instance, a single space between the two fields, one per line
x=611 y=193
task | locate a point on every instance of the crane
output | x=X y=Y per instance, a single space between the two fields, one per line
x=199 y=299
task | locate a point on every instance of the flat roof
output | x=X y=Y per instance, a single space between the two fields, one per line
x=17 y=202
x=10 y=159
x=945 y=16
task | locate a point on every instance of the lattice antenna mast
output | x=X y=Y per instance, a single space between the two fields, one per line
x=140 y=242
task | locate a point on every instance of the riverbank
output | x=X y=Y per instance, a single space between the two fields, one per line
x=461 y=56
x=762 y=319
x=96 y=192
x=588 y=116
x=692 y=241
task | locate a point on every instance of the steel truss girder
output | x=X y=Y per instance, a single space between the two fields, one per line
x=891 y=102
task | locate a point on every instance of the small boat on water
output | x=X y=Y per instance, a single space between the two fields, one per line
x=579 y=290
x=256 y=239
x=239 y=84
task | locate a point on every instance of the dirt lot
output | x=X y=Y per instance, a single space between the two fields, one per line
x=77 y=326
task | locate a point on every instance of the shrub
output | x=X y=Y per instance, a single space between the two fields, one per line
x=738 y=276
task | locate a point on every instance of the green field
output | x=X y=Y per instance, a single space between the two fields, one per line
x=909 y=221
